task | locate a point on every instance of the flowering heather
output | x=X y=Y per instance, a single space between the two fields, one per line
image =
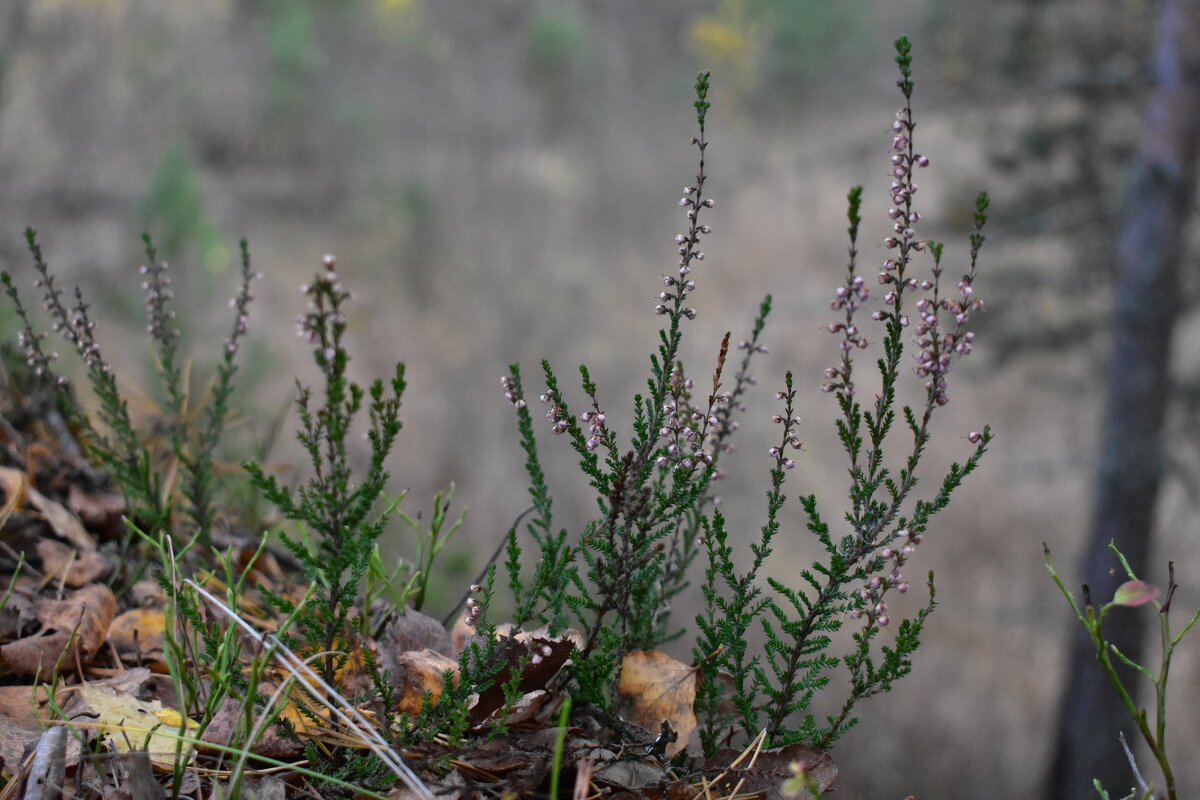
x=597 y=599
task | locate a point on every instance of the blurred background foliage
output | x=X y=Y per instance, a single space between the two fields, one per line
x=499 y=183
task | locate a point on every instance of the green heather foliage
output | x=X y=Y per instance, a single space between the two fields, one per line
x=335 y=506
x=655 y=510
x=613 y=577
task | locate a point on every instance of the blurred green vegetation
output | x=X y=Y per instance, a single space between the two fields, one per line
x=777 y=50
x=173 y=211
x=290 y=42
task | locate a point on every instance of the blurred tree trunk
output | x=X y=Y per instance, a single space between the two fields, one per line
x=1147 y=303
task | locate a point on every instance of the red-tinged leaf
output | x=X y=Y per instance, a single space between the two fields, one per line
x=540 y=666
x=1135 y=593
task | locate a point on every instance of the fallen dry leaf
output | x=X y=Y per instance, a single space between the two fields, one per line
x=546 y=660
x=100 y=511
x=632 y=776
x=128 y=724
x=513 y=759
x=530 y=708
x=12 y=481
x=72 y=629
x=228 y=727
x=137 y=781
x=659 y=688
x=16 y=615
x=18 y=704
x=62 y=521
x=81 y=566
x=138 y=631
x=147 y=593
x=417 y=672
x=353 y=678
x=14 y=738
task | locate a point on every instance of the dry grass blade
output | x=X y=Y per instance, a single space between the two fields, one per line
x=346 y=713
x=583 y=778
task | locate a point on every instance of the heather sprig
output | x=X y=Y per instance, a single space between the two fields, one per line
x=862 y=567
x=734 y=601
x=632 y=559
x=197 y=456
x=117 y=444
x=543 y=597
x=335 y=506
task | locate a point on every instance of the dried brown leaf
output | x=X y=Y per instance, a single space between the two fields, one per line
x=65 y=524
x=537 y=668
x=659 y=688
x=98 y=510
x=417 y=672
x=18 y=704
x=227 y=728
x=139 y=782
x=81 y=566
x=353 y=678
x=72 y=629
x=260 y=567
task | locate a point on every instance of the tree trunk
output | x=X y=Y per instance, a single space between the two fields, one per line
x=1147 y=303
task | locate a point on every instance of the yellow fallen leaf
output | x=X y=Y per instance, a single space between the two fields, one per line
x=418 y=672
x=12 y=482
x=660 y=689
x=128 y=723
x=138 y=629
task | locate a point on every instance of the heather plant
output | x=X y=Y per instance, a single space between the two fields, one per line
x=1133 y=593
x=630 y=561
x=864 y=564
x=614 y=579
x=653 y=501
x=335 y=506
x=186 y=507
